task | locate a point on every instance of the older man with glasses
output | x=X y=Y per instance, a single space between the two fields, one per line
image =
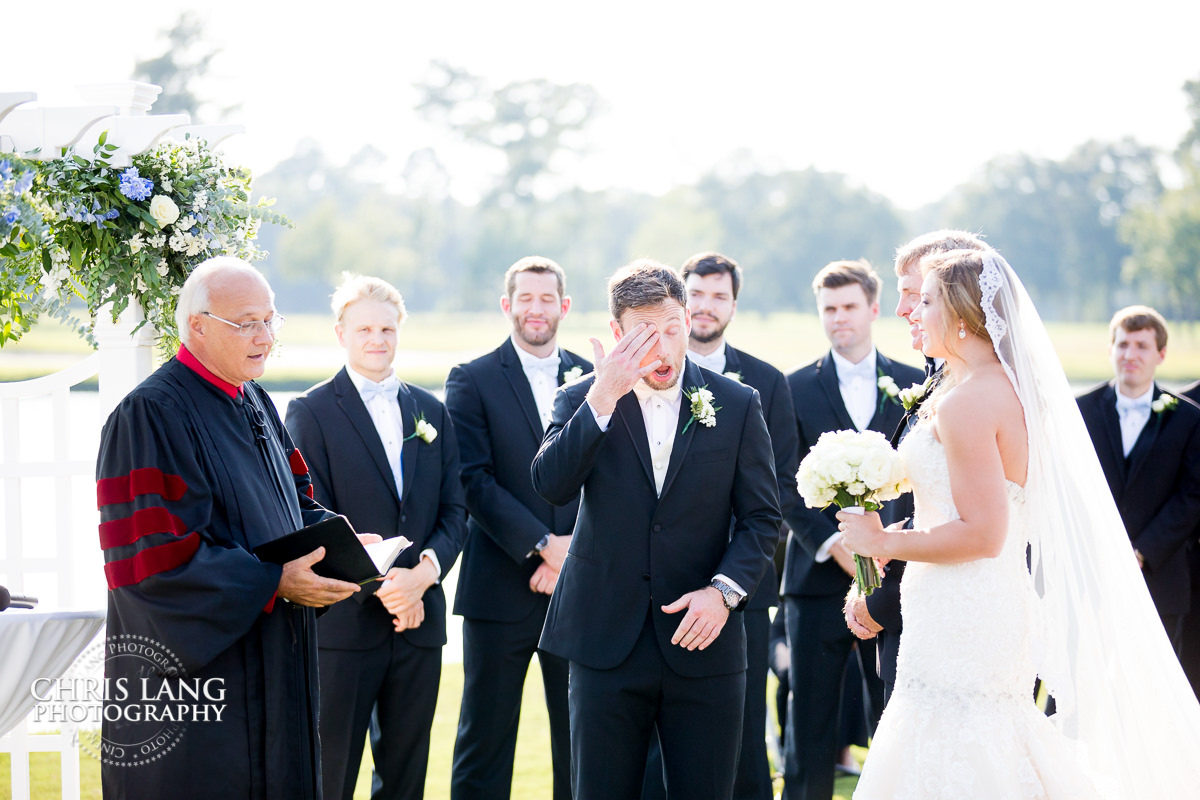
x=195 y=470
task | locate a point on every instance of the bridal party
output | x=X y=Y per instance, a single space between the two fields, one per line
x=640 y=519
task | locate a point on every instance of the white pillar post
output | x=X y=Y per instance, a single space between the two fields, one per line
x=126 y=358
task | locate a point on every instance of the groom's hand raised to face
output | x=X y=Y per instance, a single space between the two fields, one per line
x=621 y=369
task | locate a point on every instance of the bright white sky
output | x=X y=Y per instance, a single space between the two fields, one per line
x=906 y=98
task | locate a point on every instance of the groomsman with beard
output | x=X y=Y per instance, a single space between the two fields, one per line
x=643 y=605
x=1148 y=442
x=878 y=615
x=838 y=391
x=383 y=453
x=501 y=404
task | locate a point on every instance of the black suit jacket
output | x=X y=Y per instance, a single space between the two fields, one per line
x=819 y=408
x=634 y=551
x=351 y=476
x=1157 y=488
x=781 y=424
x=499 y=432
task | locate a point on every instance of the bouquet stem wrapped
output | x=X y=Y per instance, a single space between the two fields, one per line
x=858 y=471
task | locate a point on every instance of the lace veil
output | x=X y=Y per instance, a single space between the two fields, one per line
x=1103 y=653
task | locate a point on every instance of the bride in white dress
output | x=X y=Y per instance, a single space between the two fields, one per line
x=1002 y=463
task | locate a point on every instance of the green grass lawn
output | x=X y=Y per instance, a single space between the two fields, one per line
x=531 y=778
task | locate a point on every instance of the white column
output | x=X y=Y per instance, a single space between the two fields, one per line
x=126 y=358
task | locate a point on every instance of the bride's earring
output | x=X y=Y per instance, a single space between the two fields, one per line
x=962 y=330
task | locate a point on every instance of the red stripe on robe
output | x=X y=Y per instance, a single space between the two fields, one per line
x=127 y=530
x=151 y=561
x=147 y=480
x=297 y=463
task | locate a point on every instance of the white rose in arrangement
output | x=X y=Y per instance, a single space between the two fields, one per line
x=164 y=210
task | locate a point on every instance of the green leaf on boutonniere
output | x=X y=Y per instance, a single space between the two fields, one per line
x=703 y=411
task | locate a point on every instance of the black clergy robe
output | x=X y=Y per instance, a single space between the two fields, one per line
x=189 y=480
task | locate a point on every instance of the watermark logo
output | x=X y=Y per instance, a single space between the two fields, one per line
x=139 y=712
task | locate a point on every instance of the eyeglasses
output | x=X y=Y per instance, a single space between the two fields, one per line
x=252 y=329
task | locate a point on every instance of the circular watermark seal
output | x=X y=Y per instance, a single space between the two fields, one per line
x=137 y=710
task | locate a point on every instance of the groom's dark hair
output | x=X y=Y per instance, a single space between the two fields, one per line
x=643 y=283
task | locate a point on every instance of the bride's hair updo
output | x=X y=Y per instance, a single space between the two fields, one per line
x=958 y=287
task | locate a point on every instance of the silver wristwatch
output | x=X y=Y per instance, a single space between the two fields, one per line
x=730 y=595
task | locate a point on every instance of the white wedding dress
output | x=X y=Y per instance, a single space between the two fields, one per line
x=962 y=723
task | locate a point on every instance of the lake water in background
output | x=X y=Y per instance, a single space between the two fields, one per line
x=44 y=507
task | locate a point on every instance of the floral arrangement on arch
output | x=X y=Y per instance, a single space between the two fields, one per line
x=133 y=234
x=22 y=226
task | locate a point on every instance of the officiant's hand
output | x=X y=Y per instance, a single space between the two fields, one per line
x=621 y=369
x=302 y=586
x=701 y=625
x=410 y=619
x=544 y=579
x=403 y=588
x=863 y=534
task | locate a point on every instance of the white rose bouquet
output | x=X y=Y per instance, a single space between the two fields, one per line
x=854 y=469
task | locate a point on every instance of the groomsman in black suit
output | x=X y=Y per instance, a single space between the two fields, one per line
x=1148 y=442
x=713 y=282
x=643 y=605
x=501 y=404
x=839 y=391
x=878 y=615
x=1190 y=655
x=382 y=452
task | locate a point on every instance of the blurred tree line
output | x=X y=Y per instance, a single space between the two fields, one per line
x=1090 y=233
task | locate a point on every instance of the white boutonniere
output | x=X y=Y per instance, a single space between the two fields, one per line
x=888 y=390
x=423 y=430
x=703 y=411
x=1164 y=403
x=910 y=397
x=574 y=373
x=734 y=376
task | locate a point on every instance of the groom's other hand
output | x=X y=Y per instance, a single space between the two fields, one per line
x=705 y=618
x=858 y=618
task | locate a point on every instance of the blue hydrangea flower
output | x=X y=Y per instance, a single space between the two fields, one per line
x=135 y=187
x=5 y=170
x=10 y=216
x=24 y=183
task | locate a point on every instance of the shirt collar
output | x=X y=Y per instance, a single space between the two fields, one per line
x=1141 y=401
x=669 y=396
x=530 y=361
x=846 y=369
x=360 y=381
x=714 y=361
x=189 y=360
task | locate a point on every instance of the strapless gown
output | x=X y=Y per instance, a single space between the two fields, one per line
x=961 y=723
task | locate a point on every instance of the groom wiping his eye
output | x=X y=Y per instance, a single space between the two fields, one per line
x=666 y=453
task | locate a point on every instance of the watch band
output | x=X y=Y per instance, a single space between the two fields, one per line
x=729 y=595
x=539 y=547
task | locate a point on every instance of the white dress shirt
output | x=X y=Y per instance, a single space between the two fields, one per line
x=713 y=362
x=1134 y=413
x=660 y=412
x=542 y=374
x=859 y=384
x=382 y=400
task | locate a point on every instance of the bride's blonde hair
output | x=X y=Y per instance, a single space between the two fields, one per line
x=957 y=273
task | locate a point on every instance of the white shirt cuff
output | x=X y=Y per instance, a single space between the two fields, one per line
x=732 y=583
x=432 y=556
x=823 y=550
x=601 y=421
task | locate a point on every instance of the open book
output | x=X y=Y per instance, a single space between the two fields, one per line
x=346 y=558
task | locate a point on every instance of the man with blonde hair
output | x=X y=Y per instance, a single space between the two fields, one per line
x=383 y=453
x=1148 y=442
x=195 y=470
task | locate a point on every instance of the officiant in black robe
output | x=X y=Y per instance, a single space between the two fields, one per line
x=194 y=471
